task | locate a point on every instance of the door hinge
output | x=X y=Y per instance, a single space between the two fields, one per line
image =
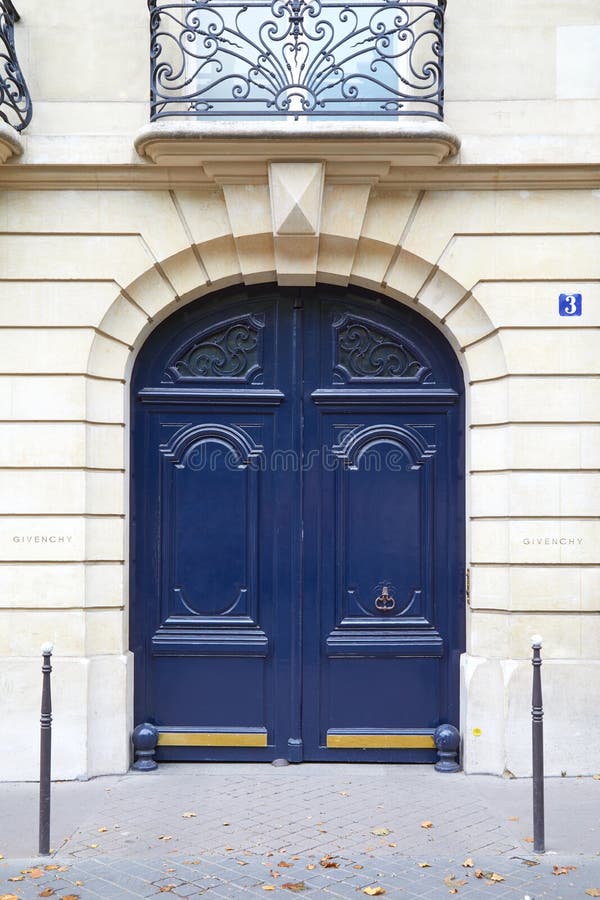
x=468 y=586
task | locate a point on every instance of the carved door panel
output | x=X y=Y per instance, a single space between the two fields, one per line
x=296 y=529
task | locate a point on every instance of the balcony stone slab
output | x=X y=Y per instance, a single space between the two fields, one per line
x=235 y=152
x=10 y=143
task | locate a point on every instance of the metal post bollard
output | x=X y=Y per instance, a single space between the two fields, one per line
x=45 y=752
x=537 y=744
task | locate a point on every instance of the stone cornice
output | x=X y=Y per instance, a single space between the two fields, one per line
x=449 y=177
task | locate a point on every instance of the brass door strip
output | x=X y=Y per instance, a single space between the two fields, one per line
x=381 y=741
x=211 y=739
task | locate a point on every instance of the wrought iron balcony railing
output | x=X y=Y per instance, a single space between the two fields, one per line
x=15 y=102
x=296 y=58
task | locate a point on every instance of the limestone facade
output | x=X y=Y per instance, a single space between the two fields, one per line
x=99 y=244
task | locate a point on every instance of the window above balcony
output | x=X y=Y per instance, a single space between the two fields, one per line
x=292 y=71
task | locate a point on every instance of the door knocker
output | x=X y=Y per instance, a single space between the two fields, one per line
x=384 y=602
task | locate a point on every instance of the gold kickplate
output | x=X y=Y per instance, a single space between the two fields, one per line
x=381 y=741
x=211 y=739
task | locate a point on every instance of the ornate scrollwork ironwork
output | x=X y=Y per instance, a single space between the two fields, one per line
x=367 y=352
x=231 y=352
x=297 y=58
x=15 y=102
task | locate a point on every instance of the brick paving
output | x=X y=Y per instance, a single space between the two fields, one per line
x=234 y=831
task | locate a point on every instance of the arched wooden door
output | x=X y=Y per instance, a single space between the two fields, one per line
x=297 y=552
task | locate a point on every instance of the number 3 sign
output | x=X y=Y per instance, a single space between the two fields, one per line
x=569 y=304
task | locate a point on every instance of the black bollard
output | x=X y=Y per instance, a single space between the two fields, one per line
x=537 y=745
x=45 y=752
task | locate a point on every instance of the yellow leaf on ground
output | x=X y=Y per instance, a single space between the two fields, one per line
x=268 y=887
x=596 y=778
x=310 y=867
x=284 y=865
x=17 y=878
x=453 y=881
x=468 y=863
x=453 y=891
x=357 y=866
x=188 y=815
x=35 y=873
x=232 y=848
x=328 y=862
x=381 y=832
x=79 y=883
x=167 y=889
x=495 y=877
x=513 y=818
x=562 y=870
x=50 y=868
x=426 y=824
x=47 y=892
x=70 y=897
x=528 y=840
x=424 y=865
x=92 y=846
x=295 y=886
x=479 y=873
x=8 y=897
x=376 y=891
x=102 y=830
x=591 y=892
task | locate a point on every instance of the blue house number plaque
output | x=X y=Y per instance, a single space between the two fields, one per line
x=570 y=304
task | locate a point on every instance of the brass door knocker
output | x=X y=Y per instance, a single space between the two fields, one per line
x=384 y=602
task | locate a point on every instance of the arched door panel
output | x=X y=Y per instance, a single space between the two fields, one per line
x=297 y=542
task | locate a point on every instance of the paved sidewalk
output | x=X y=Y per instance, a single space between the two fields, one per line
x=331 y=831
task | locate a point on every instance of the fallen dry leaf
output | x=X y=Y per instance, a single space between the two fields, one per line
x=424 y=865
x=495 y=877
x=453 y=891
x=295 y=886
x=79 y=883
x=513 y=818
x=164 y=837
x=34 y=873
x=591 y=892
x=345 y=793
x=468 y=863
x=92 y=846
x=233 y=848
x=310 y=867
x=426 y=824
x=328 y=862
x=296 y=858
x=70 y=897
x=528 y=840
x=376 y=891
x=393 y=844
x=47 y=892
x=17 y=878
x=167 y=889
x=50 y=868
x=381 y=832
x=562 y=870
x=479 y=873
x=8 y=896
x=268 y=887
x=188 y=815
x=284 y=865
x=274 y=874
x=102 y=830
x=596 y=778
x=226 y=824
x=453 y=881
x=357 y=866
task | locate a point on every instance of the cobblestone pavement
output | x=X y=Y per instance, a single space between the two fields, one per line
x=320 y=830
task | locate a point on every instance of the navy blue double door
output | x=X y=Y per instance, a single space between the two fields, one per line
x=297 y=529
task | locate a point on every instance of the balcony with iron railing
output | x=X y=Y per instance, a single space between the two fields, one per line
x=15 y=102
x=297 y=70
